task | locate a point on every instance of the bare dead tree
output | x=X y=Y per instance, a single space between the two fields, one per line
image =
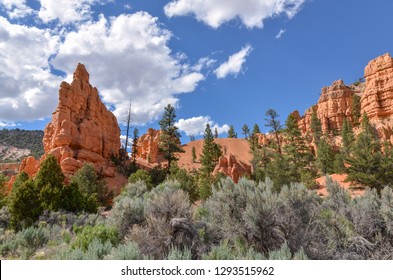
x=127 y=119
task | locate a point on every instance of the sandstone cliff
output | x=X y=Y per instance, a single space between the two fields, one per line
x=82 y=130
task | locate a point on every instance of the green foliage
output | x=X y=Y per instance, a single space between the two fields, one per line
x=316 y=126
x=178 y=254
x=90 y=186
x=339 y=164
x=246 y=131
x=86 y=235
x=169 y=143
x=23 y=139
x=32 y=238
x=194 y=156
x=127 y=251
x=188 y=182
x=135 y=144
x=272 y=121
x=231 y=132
x=355 y=108
x=141 y=175
x=25 y=205
x=211 y=152
x=19 y=180
x=3 y=190
x=325 y=157
x=348 y=137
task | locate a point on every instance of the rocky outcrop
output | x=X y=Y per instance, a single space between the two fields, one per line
x=377 y=100
x=82 y=129
x=232 y=167
x=334 y=104
x=148 y=151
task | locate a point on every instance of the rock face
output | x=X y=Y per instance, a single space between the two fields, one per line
x=334 y=104
x=82 y=129
x=377 y=100
x=148 y=147
x=232 y=167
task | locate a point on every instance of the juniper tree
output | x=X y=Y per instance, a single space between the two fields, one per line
x=272 y=121
x=169 y=143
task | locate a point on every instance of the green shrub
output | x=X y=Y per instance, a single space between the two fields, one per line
x=32 y=238
x=86 y=235
x=178 y=254
x=141 y=175
x=127 y=251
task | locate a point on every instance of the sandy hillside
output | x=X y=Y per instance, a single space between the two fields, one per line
x=240 y=148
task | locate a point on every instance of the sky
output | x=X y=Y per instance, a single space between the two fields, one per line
x=222 y=62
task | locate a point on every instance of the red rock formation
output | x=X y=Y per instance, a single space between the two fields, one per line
x=333 y=106
x=232 y=167
x=377 y=100
x=82 y=129
x=147 y=146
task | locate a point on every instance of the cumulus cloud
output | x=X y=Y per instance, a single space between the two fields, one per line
x=69 y=11
x=280 y=33
x=16 y=8
x=234 y=64
x=251 y=13
x=129 y=59
x=28 y=90
x=196 y=125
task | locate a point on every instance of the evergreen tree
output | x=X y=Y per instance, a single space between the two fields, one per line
x=231 y=132
x=256 y=129
x=296 y=151
x=135 y=139
x=316 y=126
x=253 y=140
x=368 y=165
x=325 y=157
x=211 y=152
x=25 y=206
x=19 y=180
x=278 y=170
x=3 y=190
x=246 y=131
x=261 y=158
x=347 y=137
x=215 y=132
x=355 y=108
x=272 y=121
x=194 y=157
x=49 y=181
x=169 y=143
x=91 y=186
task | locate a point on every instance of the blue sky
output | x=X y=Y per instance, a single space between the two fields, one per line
x=220 y=61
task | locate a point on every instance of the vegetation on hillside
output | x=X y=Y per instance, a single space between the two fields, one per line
x=23 y=139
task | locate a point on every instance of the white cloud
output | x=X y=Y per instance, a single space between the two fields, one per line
x=234 y=64
x=7 y=124
x=128 y=59
x=252 y=13
x=16 y=8
x=67 y=11
x=204 y=63
x=28 y=90
x=280 y=33
x=197 y=125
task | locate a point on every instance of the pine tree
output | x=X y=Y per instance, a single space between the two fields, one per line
x=296 y=151
x=135 y=139
x=246 y=131
x=368 y=165
x=316 y=126
x=169 y=143
x=253 y=140
x=272 y=121
x=347 y=137
x=194 y=157
x=355 y=109
x=325 y=157
x=215 y=133
x=211 y=152
x=231 y=132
